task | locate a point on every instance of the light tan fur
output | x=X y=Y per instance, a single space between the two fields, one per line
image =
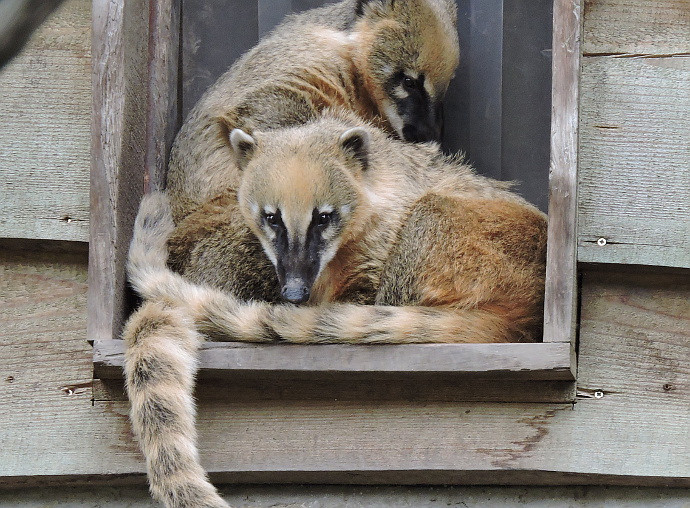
x=445 y=256
x=327 y=57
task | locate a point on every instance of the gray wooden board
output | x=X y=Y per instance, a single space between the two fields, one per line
x=633 y=349
x=44 y=140
x=560 y=297
x=163 y=108
x=644 y=27
x=549 y=361
x=634 y=175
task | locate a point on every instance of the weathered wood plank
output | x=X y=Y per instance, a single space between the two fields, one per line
x=647 y=27
x=634 y=181
x=633 y=349
x=46 y=371
x=20 y=19
x=164 y=114
x=561 y=268
x=118 y=140
x=232 y=359
x=44 y=140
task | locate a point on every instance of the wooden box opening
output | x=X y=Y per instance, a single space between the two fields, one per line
x=140 y=57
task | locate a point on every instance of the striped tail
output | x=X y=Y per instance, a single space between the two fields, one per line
x=160 y=368
x=147 y=269
x=354 y=324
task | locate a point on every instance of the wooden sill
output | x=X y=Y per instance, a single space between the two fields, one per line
x=541 y=361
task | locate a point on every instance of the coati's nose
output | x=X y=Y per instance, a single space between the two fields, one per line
x=420 y=133
x=295 y=291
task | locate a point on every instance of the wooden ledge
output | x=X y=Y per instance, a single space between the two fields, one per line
x=542 y=361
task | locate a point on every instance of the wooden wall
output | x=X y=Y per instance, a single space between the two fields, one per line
x=45 y=106
x=634 y=189
x=630 y=423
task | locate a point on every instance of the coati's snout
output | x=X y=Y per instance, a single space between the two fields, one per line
x=297 y=257
x=295 y=291
x=428 y=128
x=420 y=113
x=296 y=275
x=301 y=253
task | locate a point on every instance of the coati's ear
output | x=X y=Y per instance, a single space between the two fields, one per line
x=361 y=5
x=243 y=145
x=355 y=144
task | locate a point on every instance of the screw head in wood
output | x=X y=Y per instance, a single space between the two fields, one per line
x=601 y=242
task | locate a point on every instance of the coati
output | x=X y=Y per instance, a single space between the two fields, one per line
x=345 y=215
x=388 y=61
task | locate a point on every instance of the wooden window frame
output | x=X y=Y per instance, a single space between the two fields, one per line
x=135 y=118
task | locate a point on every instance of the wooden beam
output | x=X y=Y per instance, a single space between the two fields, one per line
x=560 y=309
x=117 y=155
x=230 y=359
x=163 y=111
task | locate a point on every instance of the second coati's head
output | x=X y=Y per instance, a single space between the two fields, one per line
x=406 y=52
x=301 y=194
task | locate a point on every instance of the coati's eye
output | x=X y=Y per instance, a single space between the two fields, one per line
x=412 y=84
x=324 y=218
x=272 y=219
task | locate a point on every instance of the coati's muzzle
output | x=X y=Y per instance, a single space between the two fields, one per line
x=297 y=271
x=422 y=124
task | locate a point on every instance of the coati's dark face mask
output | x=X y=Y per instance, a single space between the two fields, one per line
x=420 y=115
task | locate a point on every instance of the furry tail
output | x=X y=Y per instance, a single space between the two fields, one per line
x=148 y=250
x=351 y=323
x=147 y=268
x=160 y=367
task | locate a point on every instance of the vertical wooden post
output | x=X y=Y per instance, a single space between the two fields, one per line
x=163 y=110
x=560 y=309
x=117 y=154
